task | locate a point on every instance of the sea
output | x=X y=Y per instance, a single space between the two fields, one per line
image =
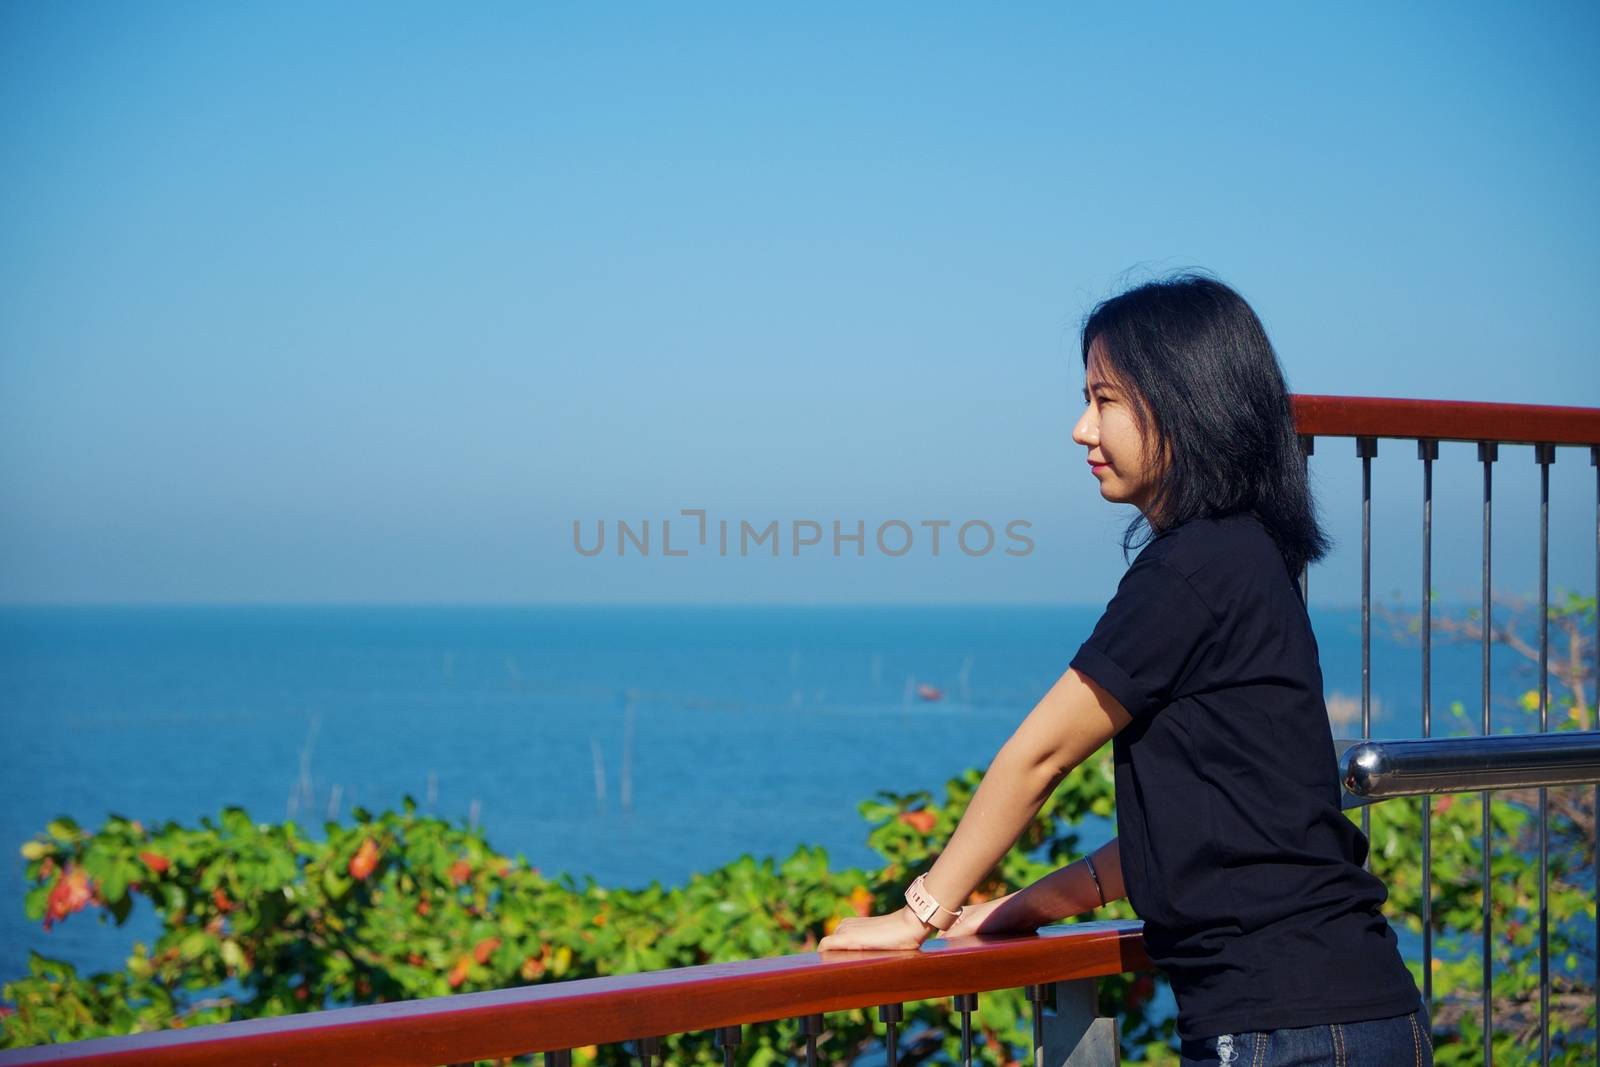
x=631 y=744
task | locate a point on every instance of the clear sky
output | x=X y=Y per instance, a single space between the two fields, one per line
x=368 y=302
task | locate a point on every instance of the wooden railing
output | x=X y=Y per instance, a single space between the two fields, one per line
x=1445 y=420
x=558 y=1016
x=1060 y=961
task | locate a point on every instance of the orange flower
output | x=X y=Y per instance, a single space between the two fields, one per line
x=423 y=907
x=460 y=871
x=70 y=893
x=458 y=973
x=920 y=821
x=861 y=900
x=485 y=948
x=155 y=861
x=532 y=968
x=365 y=859
x=221 y=900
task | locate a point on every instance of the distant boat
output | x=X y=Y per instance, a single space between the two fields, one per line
x=928 y=692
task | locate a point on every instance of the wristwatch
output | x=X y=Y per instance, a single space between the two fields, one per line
x=924 y=907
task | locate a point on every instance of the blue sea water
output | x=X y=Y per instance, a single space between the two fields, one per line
x=731 y=729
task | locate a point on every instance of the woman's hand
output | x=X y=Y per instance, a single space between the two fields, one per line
x=899 y=929
x=1002 y=915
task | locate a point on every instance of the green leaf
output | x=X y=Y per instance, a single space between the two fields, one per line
x=63 y=829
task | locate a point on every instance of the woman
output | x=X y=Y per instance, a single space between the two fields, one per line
x=1203 y=673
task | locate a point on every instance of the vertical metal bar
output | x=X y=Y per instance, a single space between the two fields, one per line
x=966 y=1004
x=1544 y=455
x=1308 y=445
x=890 y=1015
x=1427 y=451
x=561 y=1057
x=812 y=1025
x=1366 y=448
x=728 y=1038
x=1488 y=452
x=649 y=1049
x=1040 y=997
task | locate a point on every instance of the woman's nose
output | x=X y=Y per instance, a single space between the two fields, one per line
x=1086 y=432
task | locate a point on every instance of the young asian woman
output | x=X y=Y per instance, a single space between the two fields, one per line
x=1203 y=674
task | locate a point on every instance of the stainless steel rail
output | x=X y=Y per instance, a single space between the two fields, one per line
x=1377 y=770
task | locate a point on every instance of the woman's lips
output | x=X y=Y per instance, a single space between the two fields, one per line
x=1093 y=466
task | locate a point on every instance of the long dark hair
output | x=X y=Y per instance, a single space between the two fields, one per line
x=1201 y=371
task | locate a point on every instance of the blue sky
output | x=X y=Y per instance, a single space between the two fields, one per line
x=369 y=302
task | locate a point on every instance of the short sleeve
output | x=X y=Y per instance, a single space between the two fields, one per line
x=1150 y=639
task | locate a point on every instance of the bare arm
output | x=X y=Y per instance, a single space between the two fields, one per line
x=1069 y=890
x=1068 y=724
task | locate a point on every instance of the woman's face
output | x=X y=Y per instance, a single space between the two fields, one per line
x=1118 y=456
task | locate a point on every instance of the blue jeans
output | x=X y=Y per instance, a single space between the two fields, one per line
x=1396 y=1042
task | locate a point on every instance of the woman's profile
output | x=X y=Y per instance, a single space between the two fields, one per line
x=1203 y=673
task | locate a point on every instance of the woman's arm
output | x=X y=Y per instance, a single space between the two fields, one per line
x=1068 y=724
x=1069 y=890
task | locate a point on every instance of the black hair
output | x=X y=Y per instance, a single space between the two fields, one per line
x=1200 y=369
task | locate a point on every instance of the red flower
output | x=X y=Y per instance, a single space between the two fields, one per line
x=70 y=893
x=220 y=899
x=460 y=871
x=921 y=821
x=155 y=861
x=365 y=859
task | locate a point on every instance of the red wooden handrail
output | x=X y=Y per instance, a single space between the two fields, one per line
x=597 y=1011
x=1445 y=420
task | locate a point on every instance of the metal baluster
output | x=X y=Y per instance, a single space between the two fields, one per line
x=812 y=1025
x=966 y=1004
x=889 y=1015
x=1366 y=448
x=1544 y=455
x=561 y=1057
x=1041 y=997
x=1488 y=452
x=1308 y=445
x=728 y=1039
x=649 y=1049
x=1427 y=451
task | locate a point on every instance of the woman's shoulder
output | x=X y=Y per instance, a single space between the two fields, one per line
x=1229 y=561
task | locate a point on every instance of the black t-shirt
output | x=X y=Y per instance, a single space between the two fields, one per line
x=1235 y=852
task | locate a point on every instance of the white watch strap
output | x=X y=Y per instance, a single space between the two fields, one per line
x=926 y=908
